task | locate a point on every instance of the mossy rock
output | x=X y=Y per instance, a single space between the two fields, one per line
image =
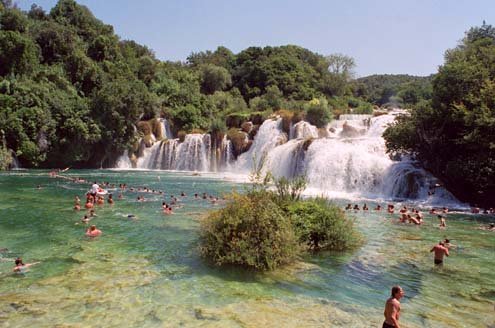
x=286 y=116
x=297 y=117
x=307 y=143
x=144 y=127
x=247 y=126
x=323 y=133
x=181 y=135
x=149 y=140
x=156 y=127
x=238 y=139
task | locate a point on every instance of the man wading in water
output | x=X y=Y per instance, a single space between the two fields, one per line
x=392 y=308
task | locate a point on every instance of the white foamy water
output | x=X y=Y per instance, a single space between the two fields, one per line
x=351 y=163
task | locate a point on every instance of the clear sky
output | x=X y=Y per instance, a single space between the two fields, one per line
x=383 y=36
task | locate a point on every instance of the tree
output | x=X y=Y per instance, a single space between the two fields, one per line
x=454 y=134
x=214 y=78
x=341 y=65
x=18 y=53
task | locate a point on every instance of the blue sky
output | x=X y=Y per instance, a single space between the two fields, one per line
x=383 y=36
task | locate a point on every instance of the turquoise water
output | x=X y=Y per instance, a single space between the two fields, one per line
x=146 y=272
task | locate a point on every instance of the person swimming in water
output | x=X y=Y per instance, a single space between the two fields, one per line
x=93 y=231
x=20 y=267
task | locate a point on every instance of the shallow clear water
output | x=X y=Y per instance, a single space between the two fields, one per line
x=147 y=272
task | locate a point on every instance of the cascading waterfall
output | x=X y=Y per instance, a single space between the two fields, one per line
x=15 y=165
x=350 y=162
x=303 y=130
x=268 y=137
x=189 y=155
x=166 y=132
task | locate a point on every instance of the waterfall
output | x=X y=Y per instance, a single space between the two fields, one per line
x=165 y=126
x=226 y=156
x=15 y=165
x=190 y=155
x=268 y=137
x=123 y=162
x=303 y=130
x=352 y=162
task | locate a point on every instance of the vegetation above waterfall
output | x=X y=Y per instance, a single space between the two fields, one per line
x=265 y=229
x=72 y=93
x=453 y=135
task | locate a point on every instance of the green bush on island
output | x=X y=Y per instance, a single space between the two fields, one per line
x=265 y=229
x=321 y=225
x=250 y=231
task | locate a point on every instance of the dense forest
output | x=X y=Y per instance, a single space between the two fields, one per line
x=453 y=134
x=72 y=93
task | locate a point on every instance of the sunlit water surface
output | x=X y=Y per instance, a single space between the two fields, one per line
x=146 y=272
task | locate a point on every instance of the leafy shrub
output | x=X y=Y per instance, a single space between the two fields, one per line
x=250 y=231
x=321 y=225
x=318 y=113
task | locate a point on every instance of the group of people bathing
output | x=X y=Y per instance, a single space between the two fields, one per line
x=406 y=215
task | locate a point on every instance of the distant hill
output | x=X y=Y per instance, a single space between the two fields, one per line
x=393 y=89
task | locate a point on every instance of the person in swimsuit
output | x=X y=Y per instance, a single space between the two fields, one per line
x=440 y=251
x=392 y=308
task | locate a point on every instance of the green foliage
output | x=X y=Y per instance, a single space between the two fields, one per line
x=251 y=231
x=5 y=158
x=321 y=225
x=13 y=20
x=214 y=78
x=454 y=134
x=264 y=229
x=318 y=112
x=378 y=89
x=18 y=53
x=290 y=190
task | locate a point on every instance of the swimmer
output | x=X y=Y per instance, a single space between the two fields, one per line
x=93 y=231
x=85 y=219
x=77 y=207
x=378 y=208
x=20 y=267
x=490 y=227
x=365 y=207
x=92 y=213
x=110 y=199
x=348 y=207
x=356 y=207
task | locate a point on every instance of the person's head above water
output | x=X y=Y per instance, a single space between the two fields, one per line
x=18 y=261
x=397 y=292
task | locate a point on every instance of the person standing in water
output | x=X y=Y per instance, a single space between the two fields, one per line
x=440 y=251
x=392 y=308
